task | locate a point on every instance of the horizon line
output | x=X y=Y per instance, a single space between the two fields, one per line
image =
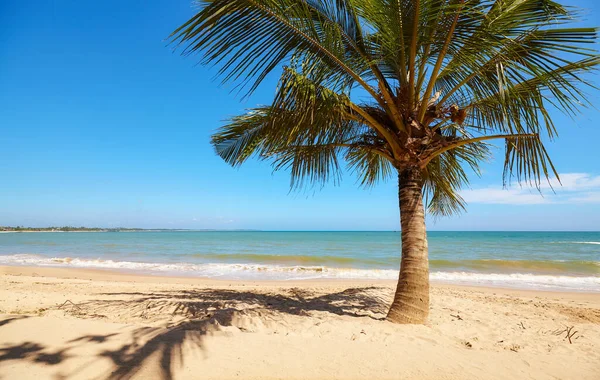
x=158 y=229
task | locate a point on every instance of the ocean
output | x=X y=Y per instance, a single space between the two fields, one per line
x=529 y=260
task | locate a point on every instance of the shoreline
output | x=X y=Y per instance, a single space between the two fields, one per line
x=101 y=274
x=548 y=262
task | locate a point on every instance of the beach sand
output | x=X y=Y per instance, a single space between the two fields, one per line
x=83 y=324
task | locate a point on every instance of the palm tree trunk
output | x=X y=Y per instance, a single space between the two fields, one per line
x=411 y=301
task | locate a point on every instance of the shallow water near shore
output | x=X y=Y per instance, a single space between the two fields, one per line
x=537 y=260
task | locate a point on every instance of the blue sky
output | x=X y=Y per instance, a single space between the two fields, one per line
x=101 y=124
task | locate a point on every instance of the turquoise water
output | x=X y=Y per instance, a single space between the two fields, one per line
x=554 y=260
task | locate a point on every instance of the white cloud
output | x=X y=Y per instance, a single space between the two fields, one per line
x=222 y=219
x=572 y=188
x=591 y=197
x=492 y=195
x=574 y=182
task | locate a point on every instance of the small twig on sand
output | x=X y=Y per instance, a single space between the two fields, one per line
x=570 y=334
x=558 y=331
x=456 y=316
x=568 y=331
x=522 y=325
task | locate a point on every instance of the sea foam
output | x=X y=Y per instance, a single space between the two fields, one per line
x=282 y=272
x=577 y=242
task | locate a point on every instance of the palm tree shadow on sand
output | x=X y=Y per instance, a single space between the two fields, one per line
x=192 y=315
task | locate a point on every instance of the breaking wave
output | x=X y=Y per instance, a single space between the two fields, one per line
x=305 y=272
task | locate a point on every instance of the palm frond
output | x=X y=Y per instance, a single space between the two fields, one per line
x=304 y=130
x=314 y=164
x=369 y=164
x=528 y=161
x=249 y=38
x=242 y=137
x=445 y=175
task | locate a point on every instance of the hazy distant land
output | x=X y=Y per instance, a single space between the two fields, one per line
x=99 y=229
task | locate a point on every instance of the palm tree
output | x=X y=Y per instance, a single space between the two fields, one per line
x=413 y=88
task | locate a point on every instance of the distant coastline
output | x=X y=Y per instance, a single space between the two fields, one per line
x=7 y=229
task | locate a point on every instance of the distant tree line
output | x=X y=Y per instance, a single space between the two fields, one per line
x=64 y=229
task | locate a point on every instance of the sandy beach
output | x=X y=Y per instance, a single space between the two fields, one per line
x=90 y=324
